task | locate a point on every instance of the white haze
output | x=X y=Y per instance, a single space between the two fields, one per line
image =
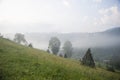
x=62 y=16
x=79 y=40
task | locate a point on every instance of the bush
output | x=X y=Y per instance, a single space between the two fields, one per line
x=30 y=45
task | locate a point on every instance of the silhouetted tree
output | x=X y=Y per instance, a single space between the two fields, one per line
x=88 y=59
x=54 y=45
x=68 y=48
x=30 y=45
x=19 y=38
x=65 y=56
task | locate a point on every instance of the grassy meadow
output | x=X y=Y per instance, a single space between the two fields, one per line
x=18 y=62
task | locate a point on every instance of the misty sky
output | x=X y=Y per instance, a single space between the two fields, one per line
x=58 y=15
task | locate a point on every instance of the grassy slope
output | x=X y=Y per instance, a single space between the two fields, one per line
x=18 y=62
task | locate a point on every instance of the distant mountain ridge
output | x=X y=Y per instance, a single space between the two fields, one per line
x=105 y=42
x=108 y=37
x=113 y=31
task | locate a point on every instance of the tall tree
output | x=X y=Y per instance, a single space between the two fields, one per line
x=54 y=45
x=88 y=59
x=20 y=38
x=68 y=48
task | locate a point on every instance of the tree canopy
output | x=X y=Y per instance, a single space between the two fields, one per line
x=54 y=45
x=20 y=38
x=68 y=48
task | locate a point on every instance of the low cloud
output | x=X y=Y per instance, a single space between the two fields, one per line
x=109 y=17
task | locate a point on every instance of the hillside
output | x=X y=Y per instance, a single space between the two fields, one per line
x=104 y=45
x=19 y=62
x=107 y=38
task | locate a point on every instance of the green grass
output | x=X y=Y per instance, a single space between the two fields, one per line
x=19 y=62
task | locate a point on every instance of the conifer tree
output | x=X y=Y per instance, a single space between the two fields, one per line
x=88 y=59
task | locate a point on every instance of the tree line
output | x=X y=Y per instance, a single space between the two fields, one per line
x=20 y=38
x=54 y=47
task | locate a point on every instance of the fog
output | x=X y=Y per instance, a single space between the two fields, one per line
x=83 y=22
x=78 y=40
x=54 y=39
x=61 y=16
